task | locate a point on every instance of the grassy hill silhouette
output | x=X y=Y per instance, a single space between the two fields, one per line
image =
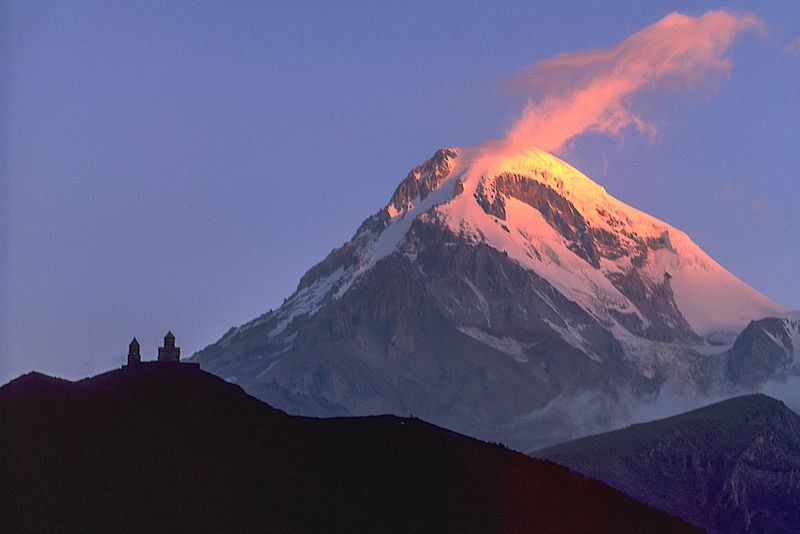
x=168 y=447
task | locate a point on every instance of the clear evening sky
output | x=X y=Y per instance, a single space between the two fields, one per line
x=179 y=165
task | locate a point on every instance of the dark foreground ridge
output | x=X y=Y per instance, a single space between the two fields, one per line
x=168 y=447
x=730 y=467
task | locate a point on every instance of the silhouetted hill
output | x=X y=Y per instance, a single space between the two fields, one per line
x=168 y=447
x=733 y=466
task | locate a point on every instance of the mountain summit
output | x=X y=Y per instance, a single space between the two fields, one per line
x=493 y=282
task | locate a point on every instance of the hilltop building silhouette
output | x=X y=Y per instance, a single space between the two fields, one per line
x=169 y=352
x=133 y=353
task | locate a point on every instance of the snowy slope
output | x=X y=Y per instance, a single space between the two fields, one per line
x=707 y=295
x=457 y=185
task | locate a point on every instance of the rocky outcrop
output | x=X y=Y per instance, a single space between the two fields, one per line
x=657 y=303
x=654 y=301
x=764 y=350
x=448 y=330
x=730 y=467
x=423 y=179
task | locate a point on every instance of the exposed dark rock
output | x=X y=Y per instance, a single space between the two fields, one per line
x=555 y=209
x=423 y=179
x=458 y=188
x=763 y=350
x=655 y=301
x=435 y=170
x=407 y=191
x=460 y=335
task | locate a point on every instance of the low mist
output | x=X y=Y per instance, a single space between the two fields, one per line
x=569 y=417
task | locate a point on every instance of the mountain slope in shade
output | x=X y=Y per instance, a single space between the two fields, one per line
x=165 y=447
x=767 y=348
x=492 y=283
x=730 y=467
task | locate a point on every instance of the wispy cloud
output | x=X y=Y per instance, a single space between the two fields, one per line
x=794 y=46
x=743 y=200
x=591 y=90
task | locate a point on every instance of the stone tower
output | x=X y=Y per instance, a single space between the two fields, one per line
x=133 y=353
x=169 y=352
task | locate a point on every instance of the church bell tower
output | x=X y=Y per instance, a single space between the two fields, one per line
x=169 y=352
x=133 y=353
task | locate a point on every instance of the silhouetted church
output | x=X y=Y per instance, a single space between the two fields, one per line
x=168 y=353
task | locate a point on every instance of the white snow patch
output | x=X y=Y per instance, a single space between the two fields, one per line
x=308 y=300
x=484 y=305
x=507 y=345
x=562 y=268
x=794 y=335
x=270 y=366
x=572 y=335
x=388 y=241
x=708 y=296
x=791 y=323
x=775 y=339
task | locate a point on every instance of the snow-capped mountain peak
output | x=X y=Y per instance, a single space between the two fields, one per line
x=554 y=220
x=608 y=257
x=493 y=282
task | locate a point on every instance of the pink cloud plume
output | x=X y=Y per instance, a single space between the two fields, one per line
x=591 y=90
x=794 y=46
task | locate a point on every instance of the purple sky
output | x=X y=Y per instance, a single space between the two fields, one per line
x=170 y=165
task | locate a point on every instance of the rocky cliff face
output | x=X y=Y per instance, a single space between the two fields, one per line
x=730 y=467
x=490 y=285
x=652 y=298
x=459 y=334
x=767 y=348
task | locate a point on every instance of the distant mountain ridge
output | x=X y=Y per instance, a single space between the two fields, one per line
x=492 y=283
x=731 y=467
x=166 y=447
